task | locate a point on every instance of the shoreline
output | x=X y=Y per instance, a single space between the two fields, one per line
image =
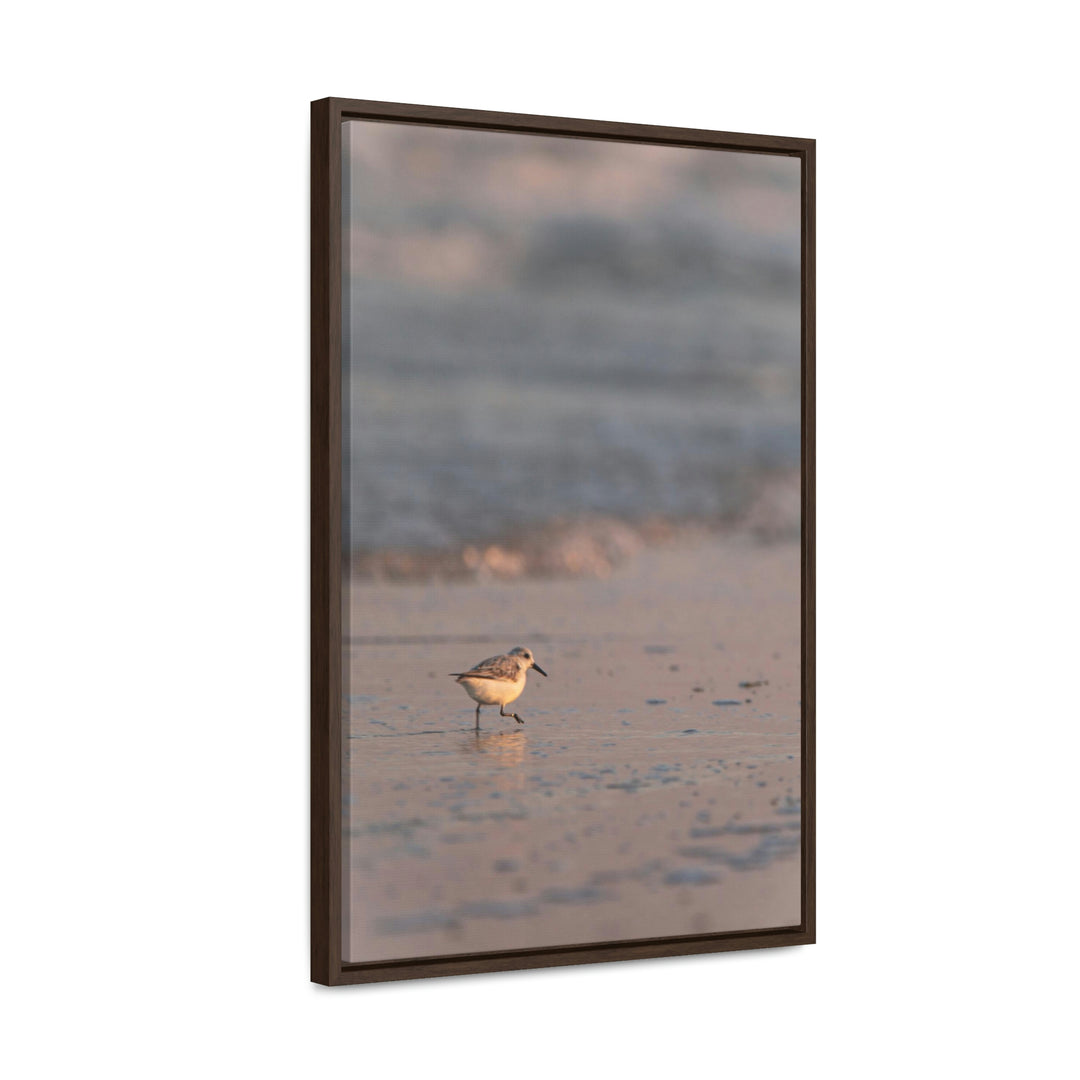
x=653 y=790
x=587 y=545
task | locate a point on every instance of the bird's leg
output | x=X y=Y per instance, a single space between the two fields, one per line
x=477 y=717
x=508 y=715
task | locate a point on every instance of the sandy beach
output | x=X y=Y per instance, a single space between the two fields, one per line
x=652 y=791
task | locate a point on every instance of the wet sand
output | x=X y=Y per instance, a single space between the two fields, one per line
x=652 y=791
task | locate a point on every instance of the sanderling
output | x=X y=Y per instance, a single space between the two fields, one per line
x=498 y=680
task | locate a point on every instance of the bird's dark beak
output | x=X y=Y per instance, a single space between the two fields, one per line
x=540 y=669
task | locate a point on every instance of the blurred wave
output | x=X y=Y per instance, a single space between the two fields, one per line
x=547 y=331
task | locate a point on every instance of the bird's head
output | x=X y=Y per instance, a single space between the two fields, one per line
x=527 y=656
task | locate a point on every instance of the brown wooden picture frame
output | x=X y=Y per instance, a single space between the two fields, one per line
x=327 y=965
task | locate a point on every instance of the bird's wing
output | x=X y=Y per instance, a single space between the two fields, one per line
x=494 y=667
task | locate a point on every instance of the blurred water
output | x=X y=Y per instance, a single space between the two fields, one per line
x=509 y=365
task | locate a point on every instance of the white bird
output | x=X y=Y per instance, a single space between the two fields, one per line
x=498 y=680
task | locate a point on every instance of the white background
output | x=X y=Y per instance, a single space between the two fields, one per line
x=153 y=439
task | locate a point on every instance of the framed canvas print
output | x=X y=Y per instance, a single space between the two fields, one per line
x=562 y=588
